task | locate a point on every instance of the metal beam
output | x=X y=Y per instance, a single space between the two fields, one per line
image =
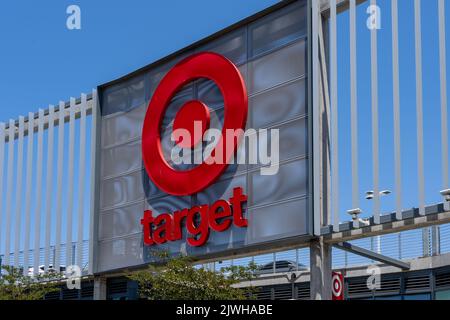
x=320 y=269
x=346 y=246
x=411 y=219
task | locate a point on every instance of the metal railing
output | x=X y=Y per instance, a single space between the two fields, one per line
x=380 y=104
x=45 y=183
x=405 y=245
x=76 y=250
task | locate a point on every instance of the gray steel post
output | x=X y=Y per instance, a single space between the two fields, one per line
x=99 y=288
x=436 y=240
x=320 y=266
x=426 y=242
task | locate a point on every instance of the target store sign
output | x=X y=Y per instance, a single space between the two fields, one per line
x=222 y=213
x=243 y=192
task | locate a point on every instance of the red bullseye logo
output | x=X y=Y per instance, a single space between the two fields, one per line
x=337 y=288
x=227 y=77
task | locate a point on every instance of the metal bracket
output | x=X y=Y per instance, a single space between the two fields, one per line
x=346 y=246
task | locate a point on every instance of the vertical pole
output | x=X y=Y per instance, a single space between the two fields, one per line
x=49 y=194
x=320 y=264
x=81 y=180
x=28 y=188
x=19 y=191
x=9 y=190
x=354 y=105
x=274 y=263
x=100 y=288
x=70 y=173
x=419 y=106
x=374 y=91
x=315 y=19
x=59 y=185
x=443 y=83
x=396 y=97
x=93 y=223
x=334 y=116
x=37 y=220
x=436 y=240
x=426 y=241
x=2 y=162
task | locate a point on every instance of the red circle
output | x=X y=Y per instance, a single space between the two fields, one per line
x=189 y=113
x=227 y=77
x=337 y=285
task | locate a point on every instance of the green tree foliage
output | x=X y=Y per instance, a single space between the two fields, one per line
x=14 y=285
x=178 y=279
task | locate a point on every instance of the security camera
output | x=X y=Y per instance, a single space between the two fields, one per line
x=446 y=194
x=354 y=213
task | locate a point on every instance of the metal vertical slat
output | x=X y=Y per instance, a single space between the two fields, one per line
x=49 y=194
x=9 y=190
x=334 y=115
x=443 y=86
x=316 y=115
x=37 y=220
x=354 y=108
x=93 y=218
x=81 y=179
x=375 y=147
x=59 y=185
x=274 y=262
x=419 y=105
x=28 y=188
x=18 y=219
x=396 y=102
x=2 y=162
x=70 y=173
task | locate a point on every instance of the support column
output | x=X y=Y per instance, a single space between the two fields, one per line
x=426 y=242
x=320 y=265
x=99 y=288
x=436 y=240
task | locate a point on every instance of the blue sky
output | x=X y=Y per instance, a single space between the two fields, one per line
x=43 y=62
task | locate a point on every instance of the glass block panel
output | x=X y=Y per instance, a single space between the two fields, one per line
x=124 y=96
x=120 y=128
x=121 y=190
x=277 y=67
x=292 y=141
x=279 y=104
x=121 y=221
x=232 y=46
x=278 y=29
x=118 y=253
x=120 y=159
x=290 y=181
x=290 y=220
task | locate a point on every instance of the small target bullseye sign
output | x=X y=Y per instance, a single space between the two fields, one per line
x=337 y=286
